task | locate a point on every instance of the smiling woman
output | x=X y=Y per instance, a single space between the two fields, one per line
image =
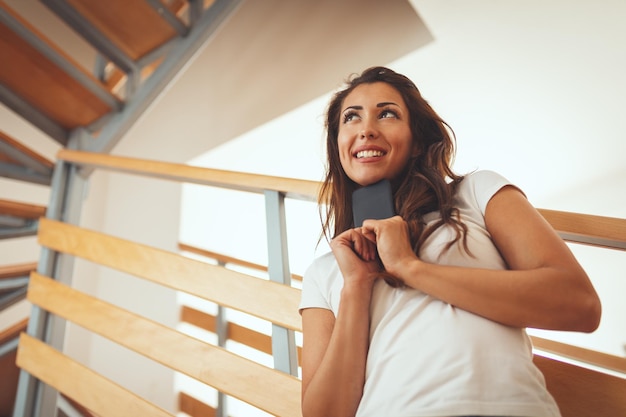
x=375 y=135
x=444 y=333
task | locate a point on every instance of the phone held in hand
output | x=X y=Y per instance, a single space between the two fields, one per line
x=372 y=202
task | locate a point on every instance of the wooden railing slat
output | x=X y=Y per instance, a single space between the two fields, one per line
x=227 y=259
x=235 y=332
x=194 y=407
x=232 y=374
x=278 y=303
x=92 y=390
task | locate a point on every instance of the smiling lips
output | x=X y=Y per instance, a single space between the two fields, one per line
x=369 y=154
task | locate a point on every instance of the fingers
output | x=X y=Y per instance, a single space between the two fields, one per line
x=353 y=241
x=365 y=248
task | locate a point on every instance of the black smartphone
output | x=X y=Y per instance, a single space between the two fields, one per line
x=372 y=202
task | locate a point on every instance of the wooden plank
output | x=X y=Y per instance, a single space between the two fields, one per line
x=24 y=150
x=261 y=298
x=592 y=357
x=295 y=188
x=585 y=228
x=227 y=259
x=9 y=374
x=133 y=25
x=194 y=407
x=582 y=392
x=235 y=332
x=13 y=331
x=43 y=84
x=92 y=390
x=17 y=270
x=273 y=391
x=22 y=210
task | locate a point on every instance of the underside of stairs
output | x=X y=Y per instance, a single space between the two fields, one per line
x=139 y=47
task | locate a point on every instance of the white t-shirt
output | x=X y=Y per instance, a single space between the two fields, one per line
x=429 y=358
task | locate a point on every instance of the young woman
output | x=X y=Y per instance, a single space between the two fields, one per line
x=424 y=313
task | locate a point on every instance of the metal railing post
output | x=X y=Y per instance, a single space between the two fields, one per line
x=283 y=340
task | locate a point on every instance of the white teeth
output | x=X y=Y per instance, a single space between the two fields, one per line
x=368 y=154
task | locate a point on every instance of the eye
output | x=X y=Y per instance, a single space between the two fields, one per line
x=388 y=113
x=350 y=116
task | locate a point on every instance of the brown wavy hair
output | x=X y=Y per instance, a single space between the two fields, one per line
x=427 y=184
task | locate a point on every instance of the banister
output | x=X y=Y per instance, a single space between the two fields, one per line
x=255 y=183
x=609 y=232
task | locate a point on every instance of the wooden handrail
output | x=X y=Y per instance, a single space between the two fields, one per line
x=601 y=231
x=293 y=188
x=588 y=356
x=609 y=232
x=228 y=259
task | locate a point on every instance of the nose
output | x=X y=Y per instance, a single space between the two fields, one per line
x=368 y=132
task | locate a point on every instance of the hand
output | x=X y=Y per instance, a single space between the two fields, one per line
x=391 y=237
x=356 y=256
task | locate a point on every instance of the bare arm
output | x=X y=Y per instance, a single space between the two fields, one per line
x=335 y=350
x=545 y=287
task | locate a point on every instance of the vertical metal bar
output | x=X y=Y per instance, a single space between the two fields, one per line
x=222 y=335
x=35 y=398
x=283 y=340
x=28 y=397
x=196 y=7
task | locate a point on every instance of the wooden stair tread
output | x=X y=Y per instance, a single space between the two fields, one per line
x=42 y=83
x=9 y=371
x=22 y=210
x=17 y=270
x=22 y=149
x=132 y=25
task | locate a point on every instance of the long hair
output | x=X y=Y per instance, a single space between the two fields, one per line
x=428 y=183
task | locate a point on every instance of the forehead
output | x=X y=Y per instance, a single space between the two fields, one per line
x=373 y=93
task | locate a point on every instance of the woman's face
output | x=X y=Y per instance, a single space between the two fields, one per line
x=374 y=137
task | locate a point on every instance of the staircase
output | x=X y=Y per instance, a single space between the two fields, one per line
x=139 y=47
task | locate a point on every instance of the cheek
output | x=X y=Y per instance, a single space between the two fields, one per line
x=343 y=145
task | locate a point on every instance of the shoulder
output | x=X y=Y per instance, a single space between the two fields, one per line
x=321 y=283
x=321 y=263
x=478 y=187
x=320 y=271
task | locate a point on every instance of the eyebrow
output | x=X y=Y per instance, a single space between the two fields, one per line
x=383 y=104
